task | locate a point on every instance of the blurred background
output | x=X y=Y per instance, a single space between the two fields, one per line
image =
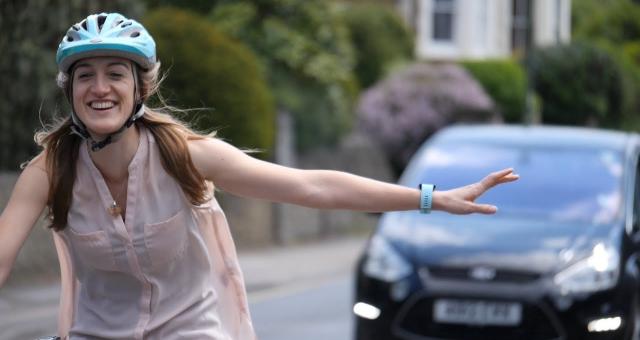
x=350 y=85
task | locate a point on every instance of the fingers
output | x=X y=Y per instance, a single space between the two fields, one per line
x=499 y=177
x=467 y=208
x=486 y=209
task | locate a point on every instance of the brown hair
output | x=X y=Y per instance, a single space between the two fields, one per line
x=171 y=135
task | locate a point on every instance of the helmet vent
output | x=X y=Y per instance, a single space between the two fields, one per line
x=101 y=20
x=106 y=34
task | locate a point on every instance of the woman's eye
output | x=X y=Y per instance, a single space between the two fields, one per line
x=116 y=75
x=84 y=75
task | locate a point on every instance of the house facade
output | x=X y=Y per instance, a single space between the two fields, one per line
x=480 y=29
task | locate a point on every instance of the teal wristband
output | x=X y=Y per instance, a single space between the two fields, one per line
x=426 y=197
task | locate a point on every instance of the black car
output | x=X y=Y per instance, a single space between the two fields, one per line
x=559 y=260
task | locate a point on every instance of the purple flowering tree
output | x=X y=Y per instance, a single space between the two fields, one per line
x=402 y=111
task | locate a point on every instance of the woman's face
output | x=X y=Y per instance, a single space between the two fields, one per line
x=103 y=93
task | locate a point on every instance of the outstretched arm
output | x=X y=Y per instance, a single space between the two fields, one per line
x=233 y=171
x=25 y=206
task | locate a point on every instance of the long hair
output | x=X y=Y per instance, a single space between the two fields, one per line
x=61 y=148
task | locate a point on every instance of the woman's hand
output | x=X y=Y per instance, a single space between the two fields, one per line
x=462 y=200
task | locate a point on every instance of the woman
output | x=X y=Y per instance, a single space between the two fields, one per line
x=144 y=248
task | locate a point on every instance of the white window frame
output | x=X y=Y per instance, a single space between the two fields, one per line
x=443 y=9
x=429 y=48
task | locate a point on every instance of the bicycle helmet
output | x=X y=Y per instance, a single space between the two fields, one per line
x=106 y=35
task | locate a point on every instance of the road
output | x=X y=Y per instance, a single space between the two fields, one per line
x=313 y=313
x=288 y=301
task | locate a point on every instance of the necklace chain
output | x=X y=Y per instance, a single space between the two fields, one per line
x=115 y=209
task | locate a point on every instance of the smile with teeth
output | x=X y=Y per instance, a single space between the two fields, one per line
x=104 y=105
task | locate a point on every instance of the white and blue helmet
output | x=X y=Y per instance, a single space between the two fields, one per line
x=106 y=34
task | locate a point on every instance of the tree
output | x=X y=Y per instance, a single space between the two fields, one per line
x=380 y=38
x=614 y=25
x=305 y=50
x=210 y=69
x=31 y=33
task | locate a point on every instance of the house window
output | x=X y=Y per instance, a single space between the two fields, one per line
x=519 y=29
x=443 y=20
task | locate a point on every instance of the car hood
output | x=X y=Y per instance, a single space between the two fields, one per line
x=464 y=241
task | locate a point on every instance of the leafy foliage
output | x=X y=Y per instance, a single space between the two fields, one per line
x=616 y=21
x=580 y=84
x=505 y=82
x=196 y=6
x=380 y=38
x=305 y=50
x=209 y=69
x=31 y=31
x=614 y=25
x=403 y=110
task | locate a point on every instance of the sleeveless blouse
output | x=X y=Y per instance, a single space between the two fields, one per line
x=169 y=270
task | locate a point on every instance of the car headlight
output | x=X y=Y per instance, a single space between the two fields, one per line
x=597 y=272
x=384 y=263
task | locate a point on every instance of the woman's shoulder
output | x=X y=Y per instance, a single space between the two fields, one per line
x=201 y=150
x=207 y=146
x=38 y=162
x=211 y=155
x=34 y=178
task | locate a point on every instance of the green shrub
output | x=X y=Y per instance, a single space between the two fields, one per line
x=380 y=38
x=305 y=49
x=614 y=25
x=209 y=69
x=505 y=81
x=628 y=58
x=197 y=6
x=579 y=84
x=616 y=21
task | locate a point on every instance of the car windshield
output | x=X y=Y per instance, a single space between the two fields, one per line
x=556 y=184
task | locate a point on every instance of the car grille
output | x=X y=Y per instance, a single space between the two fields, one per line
x=416 y=321
x=463 y=274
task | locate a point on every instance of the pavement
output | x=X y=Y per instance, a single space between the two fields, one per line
x=29 y=311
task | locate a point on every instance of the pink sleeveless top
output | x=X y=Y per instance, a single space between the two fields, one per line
x=168 y=271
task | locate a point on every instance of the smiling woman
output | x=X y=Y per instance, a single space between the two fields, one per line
x=144 y=248
x=103 y=93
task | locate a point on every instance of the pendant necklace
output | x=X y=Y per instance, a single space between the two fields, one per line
x=115 y=209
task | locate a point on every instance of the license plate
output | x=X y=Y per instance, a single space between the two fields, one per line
x=472 y=312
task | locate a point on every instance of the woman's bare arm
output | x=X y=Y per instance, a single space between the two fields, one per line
x=233 y=171
x=28 y=200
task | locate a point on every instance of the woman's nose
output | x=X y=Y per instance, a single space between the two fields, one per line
x=100 y=85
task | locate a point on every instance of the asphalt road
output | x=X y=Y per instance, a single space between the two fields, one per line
x=318 y=312
x=288 y=300
x=311 y=311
